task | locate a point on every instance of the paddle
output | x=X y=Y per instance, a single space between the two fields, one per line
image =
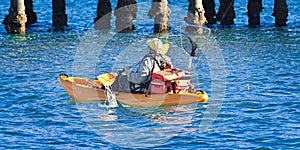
x=107 y=79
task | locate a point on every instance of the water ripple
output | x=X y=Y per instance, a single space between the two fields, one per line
x=260 y=110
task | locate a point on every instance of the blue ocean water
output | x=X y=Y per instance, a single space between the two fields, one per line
x=259 y=109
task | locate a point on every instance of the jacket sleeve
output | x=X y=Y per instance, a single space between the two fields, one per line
x=143 y=72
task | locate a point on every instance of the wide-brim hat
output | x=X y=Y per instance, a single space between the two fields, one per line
x=158 y=46
x=165 y=48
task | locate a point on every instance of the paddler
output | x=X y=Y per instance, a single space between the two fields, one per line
x=154 y=61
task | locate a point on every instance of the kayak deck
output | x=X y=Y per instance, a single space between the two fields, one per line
x=83 y=91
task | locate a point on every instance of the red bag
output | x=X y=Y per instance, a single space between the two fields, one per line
x=161 y=81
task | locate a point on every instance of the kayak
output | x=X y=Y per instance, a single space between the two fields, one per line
x=83 y=90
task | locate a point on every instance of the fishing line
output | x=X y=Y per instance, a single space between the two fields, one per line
x=226 y=11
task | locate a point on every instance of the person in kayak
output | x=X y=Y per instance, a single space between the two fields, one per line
x=154 y=61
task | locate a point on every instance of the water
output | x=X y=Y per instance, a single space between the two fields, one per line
x=260 y=109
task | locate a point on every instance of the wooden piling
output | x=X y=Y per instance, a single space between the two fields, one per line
x=280 y=12
x=226 y=13
x=210 y=12
x=31 y=15
x=161 y=14
x=16 y=19
x=102 y=21
x=195 y=17
x=254 y=8
x=125 y=13
x=59 y=16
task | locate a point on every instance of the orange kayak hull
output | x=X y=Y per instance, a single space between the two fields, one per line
x=84 y=91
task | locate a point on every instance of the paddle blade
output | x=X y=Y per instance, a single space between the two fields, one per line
x=107 y=79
